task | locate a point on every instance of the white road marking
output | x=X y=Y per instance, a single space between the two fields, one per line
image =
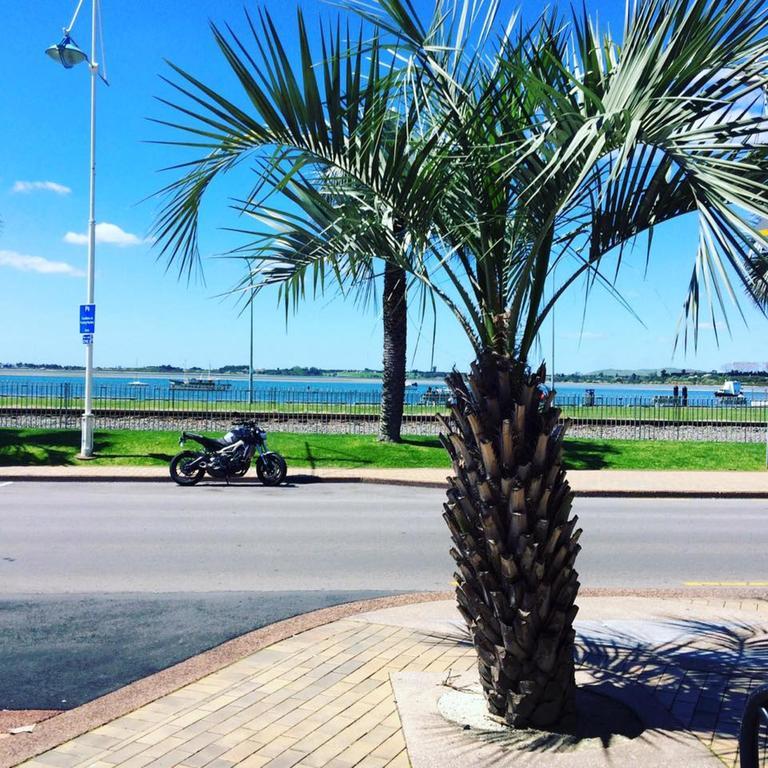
x=10 y=482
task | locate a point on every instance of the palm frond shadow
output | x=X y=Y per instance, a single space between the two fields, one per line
x=340 y=456
x=701 y=677
x=55 y=447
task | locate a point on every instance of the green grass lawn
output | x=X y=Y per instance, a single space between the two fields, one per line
x=24 y=447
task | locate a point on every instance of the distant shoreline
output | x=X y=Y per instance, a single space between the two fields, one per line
x=130 y=374
x=243 y=377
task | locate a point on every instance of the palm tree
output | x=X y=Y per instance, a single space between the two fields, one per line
x=555 y=147
x=313 y=120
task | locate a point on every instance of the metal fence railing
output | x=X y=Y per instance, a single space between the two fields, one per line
x=300 y=409
x=666 y=418
x=314 y=409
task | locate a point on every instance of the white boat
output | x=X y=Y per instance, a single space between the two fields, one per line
x=729 y=389
x=436 y=396
x=137 y=383
x=200 y=385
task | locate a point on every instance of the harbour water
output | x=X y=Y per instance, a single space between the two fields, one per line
x=154 y=386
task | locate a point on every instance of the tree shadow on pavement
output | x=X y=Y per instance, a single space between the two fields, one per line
x=701 y=674
x=19 y=448
x=345 y=458
x=59 y=447
x=586 y=454
x=679 y=676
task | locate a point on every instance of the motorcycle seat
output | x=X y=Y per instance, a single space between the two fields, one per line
x=212 y=443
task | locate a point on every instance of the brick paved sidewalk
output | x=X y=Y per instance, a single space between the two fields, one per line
x=324 y=697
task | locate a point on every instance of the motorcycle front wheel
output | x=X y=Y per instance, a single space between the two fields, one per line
x=271 y=469
x=181 y=471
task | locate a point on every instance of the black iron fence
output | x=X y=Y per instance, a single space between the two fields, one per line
x=347 y=410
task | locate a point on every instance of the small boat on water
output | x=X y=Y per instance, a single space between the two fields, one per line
x=200 y=385
x=137 y=383
x=729 y=389
x=436 y=396
x=730 y=393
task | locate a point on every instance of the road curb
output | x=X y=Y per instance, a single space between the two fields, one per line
x=307 y=479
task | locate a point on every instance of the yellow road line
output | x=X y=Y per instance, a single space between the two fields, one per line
x=726 y=583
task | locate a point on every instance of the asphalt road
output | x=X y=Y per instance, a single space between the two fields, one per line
x=153 y=537
x=104 y=583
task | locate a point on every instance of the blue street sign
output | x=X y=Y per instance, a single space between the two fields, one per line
x=87 y=318
x=87 y=338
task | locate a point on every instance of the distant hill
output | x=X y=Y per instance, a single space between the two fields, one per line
x=646 y=372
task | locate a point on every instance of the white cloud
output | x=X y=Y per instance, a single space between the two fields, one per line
x=48 y=186
x=26 y=263
x=107 y=233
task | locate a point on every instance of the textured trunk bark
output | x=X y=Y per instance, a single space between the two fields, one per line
x=394 y=313
x=508 y=511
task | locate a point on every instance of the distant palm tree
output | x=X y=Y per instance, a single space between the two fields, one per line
x=551 y=147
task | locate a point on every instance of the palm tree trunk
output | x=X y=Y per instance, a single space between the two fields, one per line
x=508 y=511
x=394 y=313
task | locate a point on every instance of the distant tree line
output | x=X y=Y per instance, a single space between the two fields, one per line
x=665 y=377
x=296 y=370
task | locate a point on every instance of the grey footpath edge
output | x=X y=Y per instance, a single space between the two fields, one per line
x=585 y=483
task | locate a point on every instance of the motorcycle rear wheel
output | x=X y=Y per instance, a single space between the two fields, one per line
x=180 y=471
x=271 y=469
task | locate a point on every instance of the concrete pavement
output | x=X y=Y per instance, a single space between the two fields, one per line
x=584 y=482
x=332 y=695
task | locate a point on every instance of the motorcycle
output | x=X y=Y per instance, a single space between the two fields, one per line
x=228 y=456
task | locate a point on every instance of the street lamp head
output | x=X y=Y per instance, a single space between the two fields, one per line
x=67 y=53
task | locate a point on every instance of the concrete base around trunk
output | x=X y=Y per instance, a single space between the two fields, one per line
x=621 y=726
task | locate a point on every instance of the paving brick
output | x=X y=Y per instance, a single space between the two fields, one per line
x=287 y=759
x=400 y=761
x=156 y=735
x=164 y=746
x=372 y=762
x=391 y=746
x=273 y=747
x=56 y=759
x=170 y=759
x=244 y=749
x=220 y=762
x=138 y=761
x=205 y=755
x=254 y=761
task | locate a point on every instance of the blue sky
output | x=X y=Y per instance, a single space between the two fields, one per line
x=146 y=315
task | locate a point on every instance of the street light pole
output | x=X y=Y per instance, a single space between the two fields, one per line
x=69 y=55
x=552 y=371
x=86 y=437
x=250 y=363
